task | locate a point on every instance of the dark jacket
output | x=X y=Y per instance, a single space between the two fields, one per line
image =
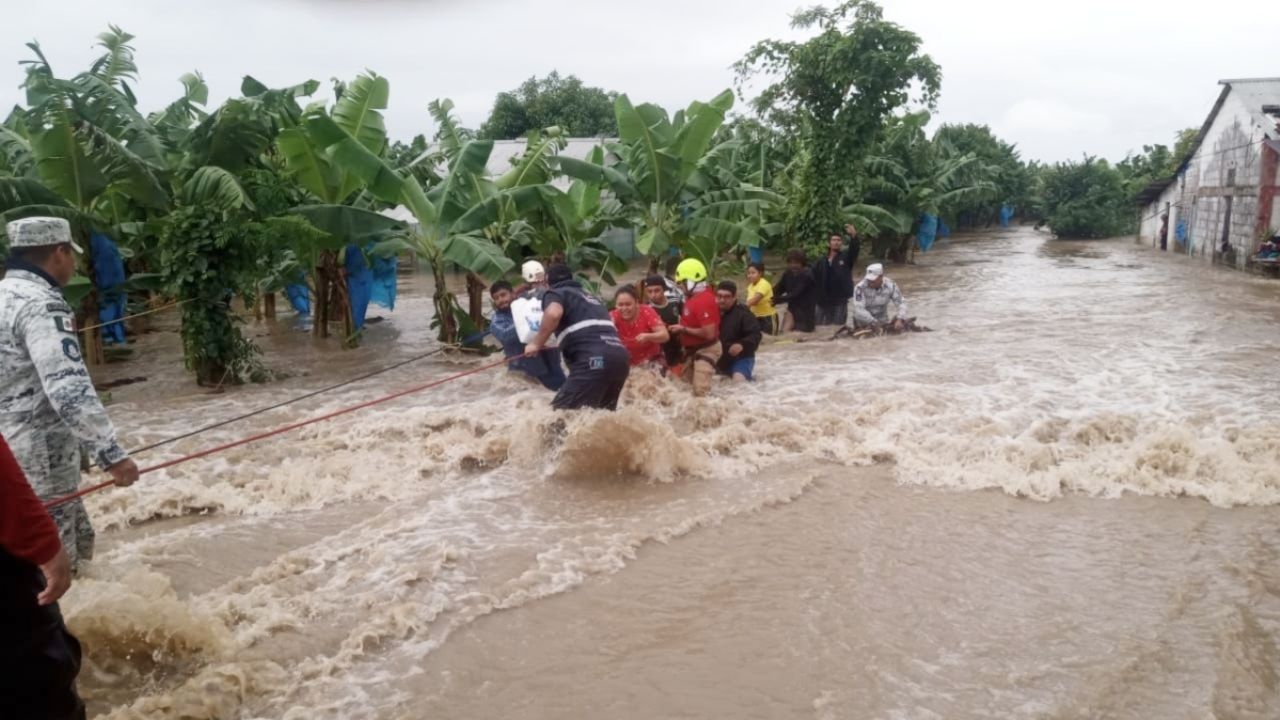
x=738 y=327
x=834 y=278
x=797 y=289
x=585 y=323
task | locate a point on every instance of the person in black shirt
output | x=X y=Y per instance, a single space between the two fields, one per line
x=854 y=242
x=655 y=289
x=834 y=277
x=598 y=362
x=796 y=289
x=739 y=334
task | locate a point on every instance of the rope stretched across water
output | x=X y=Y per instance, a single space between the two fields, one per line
x=137 y=315
x=300 y=398
x=280 y=431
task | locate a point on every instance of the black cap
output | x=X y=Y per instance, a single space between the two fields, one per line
x=655 y=281
x=558 y=273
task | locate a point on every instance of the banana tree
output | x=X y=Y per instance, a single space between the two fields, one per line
x=911 y=177
x=340 y=209
x=674 y=183
x=455 y=214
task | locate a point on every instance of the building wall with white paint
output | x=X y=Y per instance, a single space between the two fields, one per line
x=1214 y=201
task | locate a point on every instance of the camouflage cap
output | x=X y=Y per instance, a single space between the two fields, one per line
x=40 y=232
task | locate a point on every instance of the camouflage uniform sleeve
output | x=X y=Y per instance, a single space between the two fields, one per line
x=48 y=332
x=861 y=315
x=899 y=302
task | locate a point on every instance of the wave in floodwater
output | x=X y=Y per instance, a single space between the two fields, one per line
x=310 y=575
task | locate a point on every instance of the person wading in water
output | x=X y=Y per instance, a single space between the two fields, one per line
x=699 y=328
x=598 y=363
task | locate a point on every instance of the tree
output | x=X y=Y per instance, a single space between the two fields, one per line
x=338 y=207
x=1000 y=159
x=676 y=186
x=834 y=91
x=553 y=101
x=1086 y=199
x=911 y=176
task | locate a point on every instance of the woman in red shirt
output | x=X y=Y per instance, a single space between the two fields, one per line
x=640 y=328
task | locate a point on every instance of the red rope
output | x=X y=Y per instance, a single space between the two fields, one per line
x=278 y=431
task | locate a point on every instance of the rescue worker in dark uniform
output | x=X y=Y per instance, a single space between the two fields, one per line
x=598 y=362
x=39 y=659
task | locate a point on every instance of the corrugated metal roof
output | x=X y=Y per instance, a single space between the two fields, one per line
x=1256 y=93
x=504 y=151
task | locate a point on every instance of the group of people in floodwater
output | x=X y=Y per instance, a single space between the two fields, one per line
x=680 y=324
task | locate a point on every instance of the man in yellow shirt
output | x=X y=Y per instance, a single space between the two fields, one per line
x=760 y=299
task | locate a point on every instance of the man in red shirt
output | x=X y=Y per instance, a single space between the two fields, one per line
x=699 y=328
x=39 y=659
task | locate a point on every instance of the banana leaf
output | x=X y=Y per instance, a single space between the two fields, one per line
x=212 y=185
x=477 y=254
x=62 y=163
x=309 y=165
x=346 y=223
x=21 y=192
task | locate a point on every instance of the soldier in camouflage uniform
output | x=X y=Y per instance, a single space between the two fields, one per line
x=872 y=298
x=48 y=407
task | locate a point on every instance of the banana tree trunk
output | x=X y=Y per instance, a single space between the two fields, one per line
x=475 y=296
x=342 y=297
x=93 y=352
x=444 y=301
x=320 y=304
x=269 y=306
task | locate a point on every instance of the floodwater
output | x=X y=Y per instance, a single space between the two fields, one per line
x=1060 y=504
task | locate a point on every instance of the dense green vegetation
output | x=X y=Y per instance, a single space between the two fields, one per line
x=553 y=101
x=280 y=185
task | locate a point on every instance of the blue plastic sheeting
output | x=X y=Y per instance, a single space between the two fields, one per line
x=1180 y=232
x=299 y=295
x=944 y=230
x=756 y=254
x=108 y=278
x=928 y=232
x=1006 y=214
x=359 y=284
x=384 y=282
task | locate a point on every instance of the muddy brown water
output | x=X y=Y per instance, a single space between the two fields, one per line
x=1061 y=504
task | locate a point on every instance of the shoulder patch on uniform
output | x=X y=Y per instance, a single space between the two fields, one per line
x=71 y=349
x=57 y=307
x=65 y=324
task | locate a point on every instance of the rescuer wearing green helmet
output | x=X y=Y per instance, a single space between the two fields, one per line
x=699 y=328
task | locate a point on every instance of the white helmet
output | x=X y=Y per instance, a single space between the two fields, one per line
x=533 y=272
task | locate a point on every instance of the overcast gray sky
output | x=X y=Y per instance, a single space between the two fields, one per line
x=1059 y=79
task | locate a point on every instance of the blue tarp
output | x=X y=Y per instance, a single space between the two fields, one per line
x=756 y=254
x=1180 y=231
x=299 y=295
x=944 y=230
x=928 y=231
x=384 y=281
x=359 y=284
x=108 y=277
x=1006 y=214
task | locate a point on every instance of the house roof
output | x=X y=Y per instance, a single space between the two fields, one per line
x=505 y=152
x=1259 y=95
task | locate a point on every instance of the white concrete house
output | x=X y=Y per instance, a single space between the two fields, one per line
x=1224 y=195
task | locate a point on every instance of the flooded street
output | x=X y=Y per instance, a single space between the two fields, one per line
x=1060 y=504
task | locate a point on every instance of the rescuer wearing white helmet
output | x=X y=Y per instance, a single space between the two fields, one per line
x=699 y=328
x=533 y=272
